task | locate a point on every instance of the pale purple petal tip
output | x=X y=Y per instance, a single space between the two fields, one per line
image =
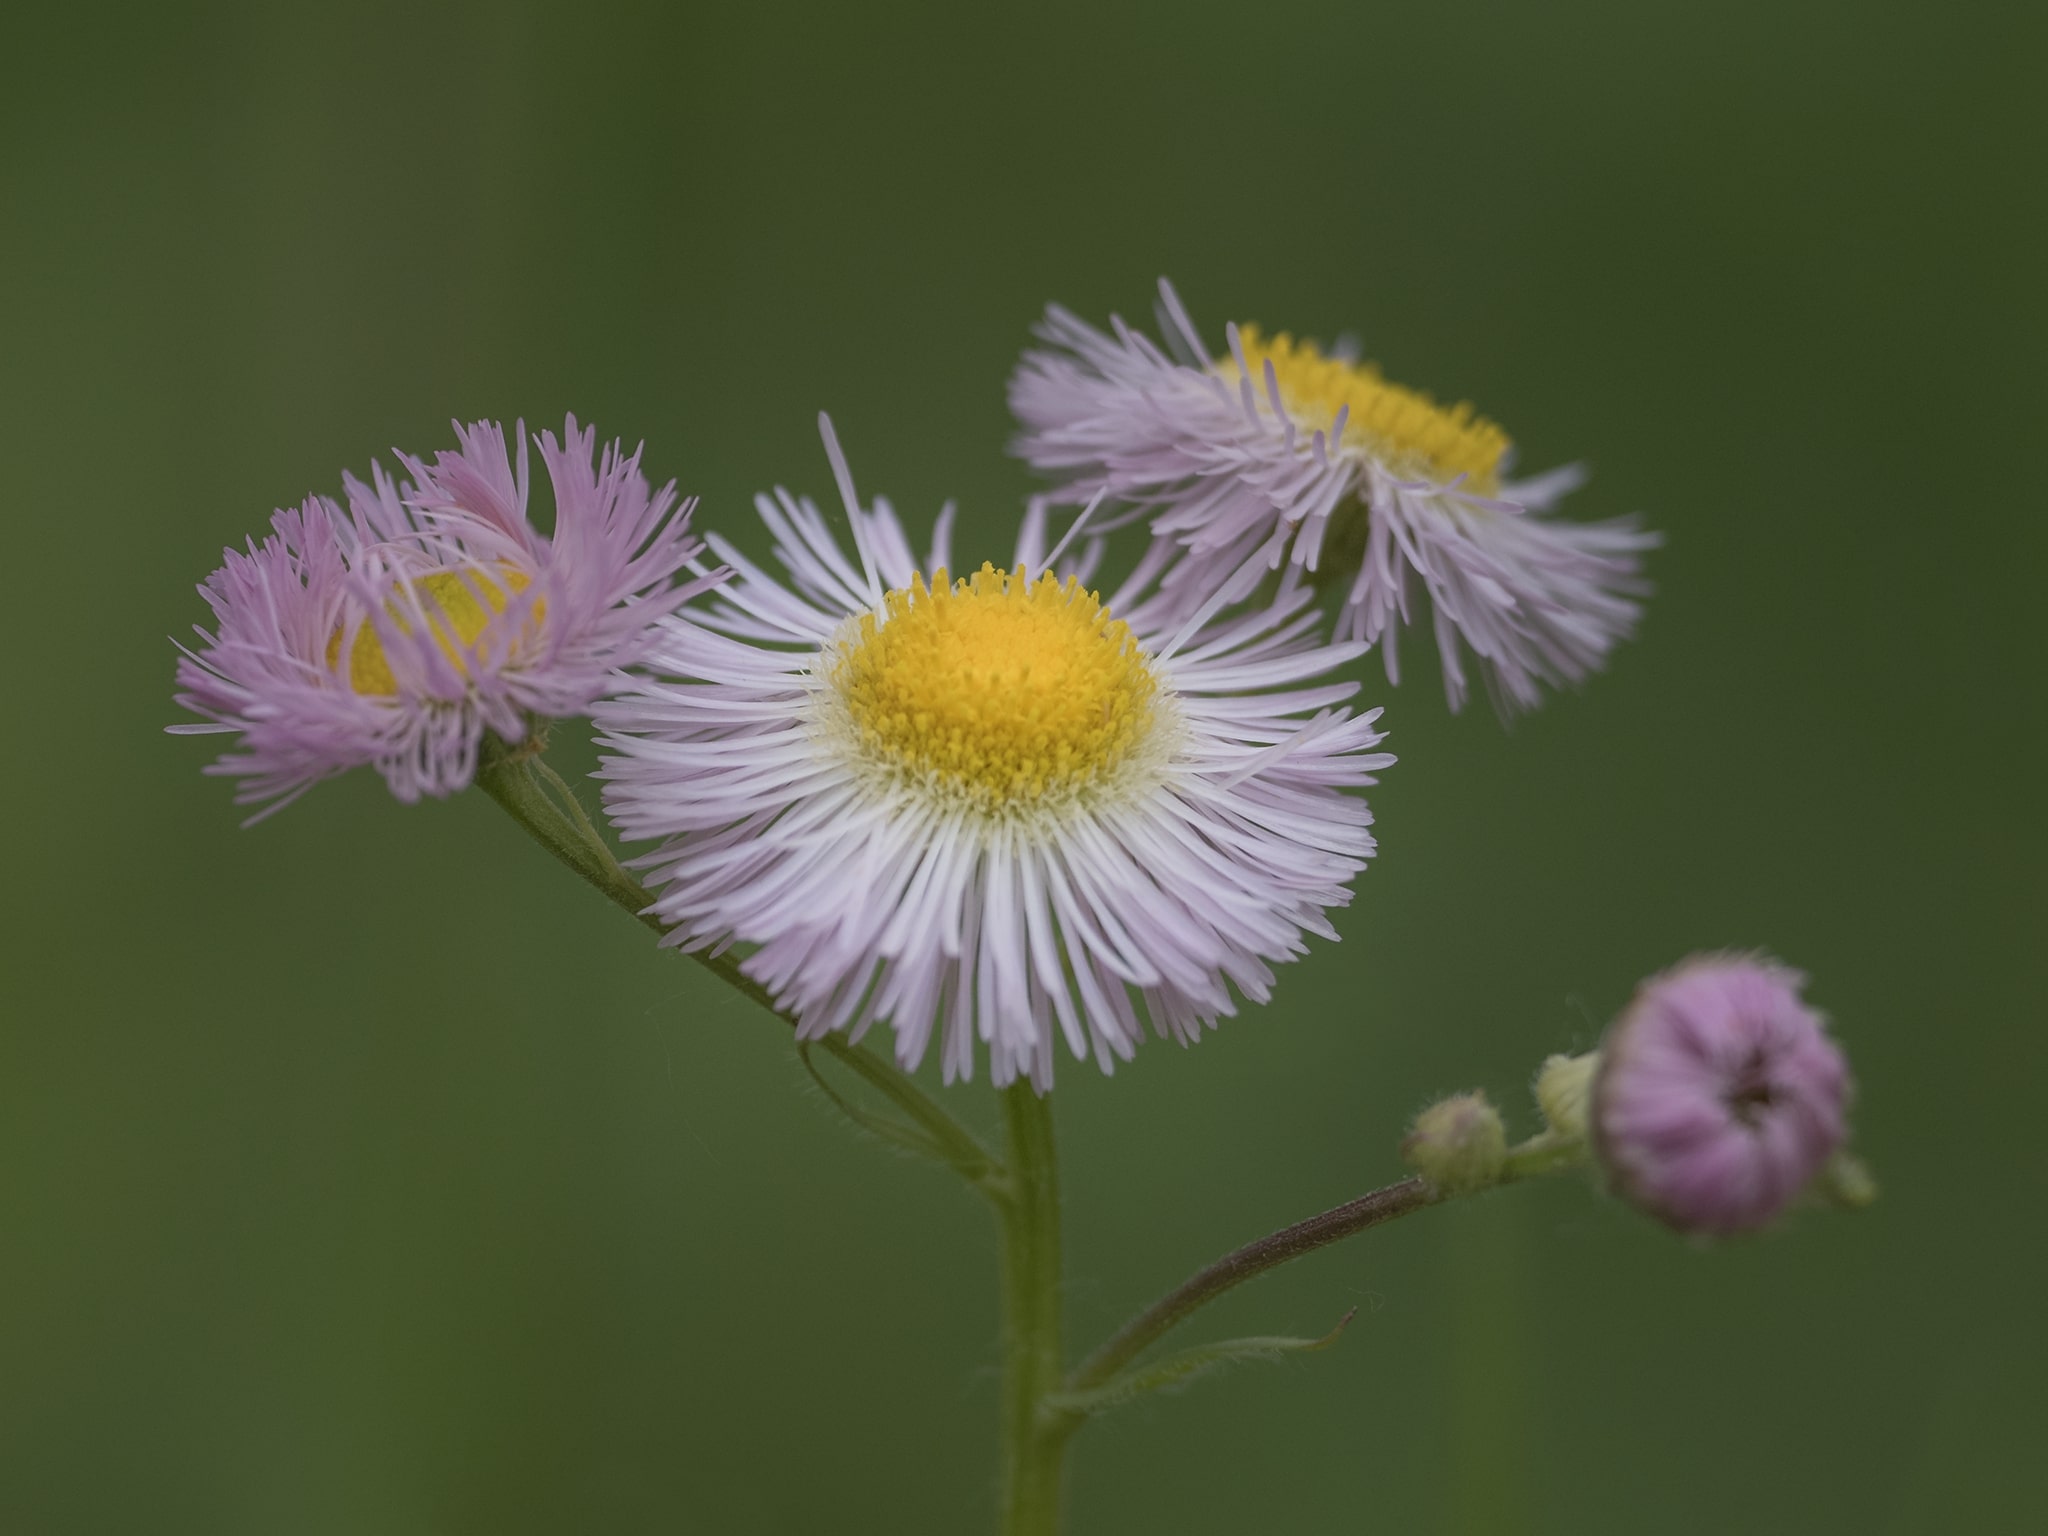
x=1720 y=1096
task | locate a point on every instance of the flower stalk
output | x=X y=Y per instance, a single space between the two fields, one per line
x=1247 y=1263
x=1034 y=1435
x=518 y=779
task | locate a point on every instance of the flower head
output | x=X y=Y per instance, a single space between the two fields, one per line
x=1276 y=449
x=397 y=632
x=999 y=807
x=1719 y=1098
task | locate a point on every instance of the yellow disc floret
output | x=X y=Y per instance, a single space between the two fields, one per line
x=1404 y=426
x=1005 y=689
x=459 y=606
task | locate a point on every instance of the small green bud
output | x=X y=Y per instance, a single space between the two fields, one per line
x=1458 y=1144
x=1563 y=1088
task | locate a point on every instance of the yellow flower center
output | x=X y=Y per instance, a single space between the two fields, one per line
x=1005 y=688
x=1403 y=426
x=459 y=606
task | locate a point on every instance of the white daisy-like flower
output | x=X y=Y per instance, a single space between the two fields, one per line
x=1276 y=447
x=996 y=808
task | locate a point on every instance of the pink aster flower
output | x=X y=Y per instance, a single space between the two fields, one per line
x=397 y=632
x=1719 y=1097
x=1274 y=449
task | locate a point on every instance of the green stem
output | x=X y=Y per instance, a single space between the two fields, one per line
x=1024 y=1187
x=1253 y=1259
x=951 y=1141
x=1545 y=1152
x=1034 y=1437
x=1025 y=1192
x=509 y=779
x=1549 y=1152
x=565 y=793
x=514 y=777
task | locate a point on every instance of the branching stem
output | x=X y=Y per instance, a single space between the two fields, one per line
x=1023 y=1184
x=1246 y=1263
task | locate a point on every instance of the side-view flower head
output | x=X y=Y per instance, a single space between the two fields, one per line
x=397 y=632
x=1274 y=446
x=999 y=807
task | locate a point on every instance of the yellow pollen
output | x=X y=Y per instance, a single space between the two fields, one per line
x=1006 y=688
x=1404 y=426
x=459 y=607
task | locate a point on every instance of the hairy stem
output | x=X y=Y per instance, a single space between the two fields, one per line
x=1034 y=1437
x=1248 y=1262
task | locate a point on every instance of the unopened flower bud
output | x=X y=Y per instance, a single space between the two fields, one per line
x=1563 y=1087
x=1458 y=1144
x=1719 y=1098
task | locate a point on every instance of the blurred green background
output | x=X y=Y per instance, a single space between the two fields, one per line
x=363 y=1173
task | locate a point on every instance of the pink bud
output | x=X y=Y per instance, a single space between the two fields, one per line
x=1719 y=1097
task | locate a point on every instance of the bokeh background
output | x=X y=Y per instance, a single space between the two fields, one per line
x=364 y=1173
